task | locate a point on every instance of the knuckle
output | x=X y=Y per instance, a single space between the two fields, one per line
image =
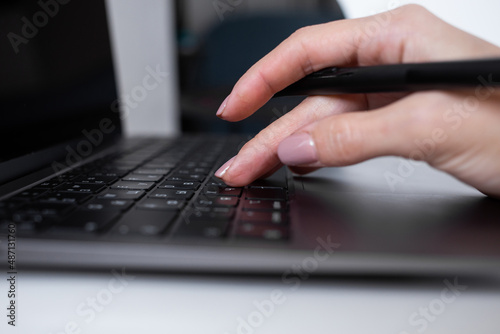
x=413 y=10
x=266 y=139
x=429 y=116
x=301 y=43
x=301 y=33
x=270 y=137
x=249 y=149
x=259 y=145
x=342 y=143
x=411 y=15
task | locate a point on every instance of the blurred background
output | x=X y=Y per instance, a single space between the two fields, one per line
x=215 y=41
x=220 y=40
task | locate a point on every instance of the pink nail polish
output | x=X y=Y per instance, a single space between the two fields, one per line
x=222 y=107
x=297 y=150
x=223 y=169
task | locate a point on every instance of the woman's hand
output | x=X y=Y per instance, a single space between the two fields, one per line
x=455 y=131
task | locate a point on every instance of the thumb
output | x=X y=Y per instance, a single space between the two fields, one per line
x=349 y=138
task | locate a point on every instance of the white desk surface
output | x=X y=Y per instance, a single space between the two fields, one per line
x=55 y=302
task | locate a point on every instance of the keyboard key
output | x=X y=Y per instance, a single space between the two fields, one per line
x=115 y=172
x=67 y=176
x=143 y=177
x=221 y=191
x=65 y=197
x=122 y=194
x=166 y=158
x=159 y=164
x=106 y=174
x=265 y=193
x=197 y=164
x=200 y=170
x=276 y=180
x=216 y=201
x=216 y=182
x=216 y=209
x=144 y=222
x=267 y=184
x=101 y=179
x=161 y=204
x=199 y=215
x=251 y=230
x=87 y=188
x=152 y=171
x=121 y=165
x=180 y=185
x=184 y=171
x=263 y=204
x=193 y=171
x=172 y=194
x=52 y=183
x=187 y=177
x=134 y=185
x=264 y=217
x=106 y=204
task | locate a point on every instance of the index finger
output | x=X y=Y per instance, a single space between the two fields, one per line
x=307 y=50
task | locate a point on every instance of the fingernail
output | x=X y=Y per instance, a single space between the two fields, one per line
x=223 y=169
x=222 y=107
x=297 y=150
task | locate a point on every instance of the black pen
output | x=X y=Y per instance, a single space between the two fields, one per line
x=398 y=78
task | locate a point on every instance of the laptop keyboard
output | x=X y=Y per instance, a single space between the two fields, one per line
x=152 y=189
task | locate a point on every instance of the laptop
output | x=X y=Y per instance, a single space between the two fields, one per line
x=75 y=193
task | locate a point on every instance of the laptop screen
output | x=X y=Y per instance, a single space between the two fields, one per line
x=56 y=74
